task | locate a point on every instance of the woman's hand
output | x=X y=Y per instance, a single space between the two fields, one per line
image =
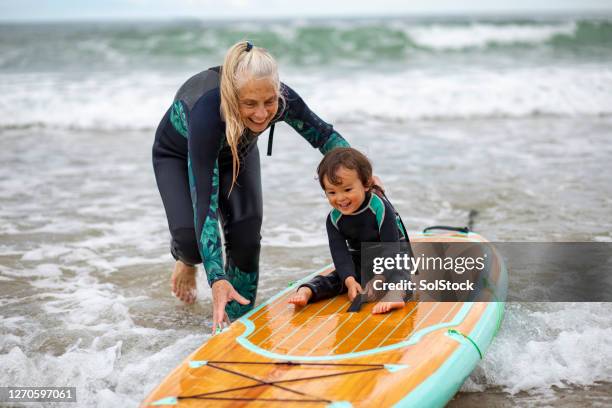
x=223 y=292
x=353 y=287
x=377 y=181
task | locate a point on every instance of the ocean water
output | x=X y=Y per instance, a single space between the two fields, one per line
x=511 y=117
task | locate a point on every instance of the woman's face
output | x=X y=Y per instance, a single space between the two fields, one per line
x=258 y=103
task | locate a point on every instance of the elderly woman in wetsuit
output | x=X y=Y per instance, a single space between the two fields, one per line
x=207 y=170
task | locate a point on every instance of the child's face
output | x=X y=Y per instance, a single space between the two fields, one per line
x=347 y=196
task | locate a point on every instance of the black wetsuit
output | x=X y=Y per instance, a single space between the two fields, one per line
x=374 y=221
x=193 y=169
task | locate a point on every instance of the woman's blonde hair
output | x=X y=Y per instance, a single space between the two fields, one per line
x=242 y=63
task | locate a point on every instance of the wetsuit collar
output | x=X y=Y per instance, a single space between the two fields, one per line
x=365 y=204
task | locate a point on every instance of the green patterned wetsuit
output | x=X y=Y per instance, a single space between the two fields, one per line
x=193 y=169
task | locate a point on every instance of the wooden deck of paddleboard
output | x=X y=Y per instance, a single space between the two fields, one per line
x=320 y=354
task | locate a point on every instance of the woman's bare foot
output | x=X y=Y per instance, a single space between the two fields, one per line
x=183 y=282
x=302 y=296
x=384 y=307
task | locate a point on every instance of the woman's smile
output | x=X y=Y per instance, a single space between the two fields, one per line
x=258 y=101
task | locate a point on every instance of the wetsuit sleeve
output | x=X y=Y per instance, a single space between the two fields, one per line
x=388 y=229
x=340 y=252
x=390 y=235
x=204 y=142
x=178 y=118
x=317 y=132
x=387 y=226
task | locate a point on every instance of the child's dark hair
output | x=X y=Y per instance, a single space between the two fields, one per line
x=349 y=158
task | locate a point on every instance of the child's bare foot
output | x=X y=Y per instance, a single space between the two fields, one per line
x=183 y=282
x=384 y=307
x=302 y=296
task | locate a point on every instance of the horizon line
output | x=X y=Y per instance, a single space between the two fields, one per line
x=542 y=12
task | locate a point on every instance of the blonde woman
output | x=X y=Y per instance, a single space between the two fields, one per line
x=207 y=169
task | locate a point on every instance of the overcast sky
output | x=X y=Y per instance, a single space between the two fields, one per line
x=37 y=10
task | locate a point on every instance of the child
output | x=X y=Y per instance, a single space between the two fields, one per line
x=359 y=215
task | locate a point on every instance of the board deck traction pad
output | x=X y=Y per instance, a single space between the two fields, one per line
x=335 y=361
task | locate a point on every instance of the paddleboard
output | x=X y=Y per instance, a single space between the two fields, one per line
x=321 y=355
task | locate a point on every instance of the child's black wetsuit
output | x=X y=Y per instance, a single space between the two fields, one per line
x=374 y=221
x=193 y=169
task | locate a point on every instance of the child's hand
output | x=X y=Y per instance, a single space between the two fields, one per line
x=353 y=287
